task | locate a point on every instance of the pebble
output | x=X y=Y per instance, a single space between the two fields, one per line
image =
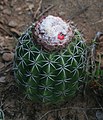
x=12 y=23
x=30 y=6
x=1 y=65
x=1 y=7
x=2 y=79
x=61 y=13
x=18 y=9
x=8 y=56
x=7 y=11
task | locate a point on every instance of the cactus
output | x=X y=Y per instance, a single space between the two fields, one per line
x=50 y=60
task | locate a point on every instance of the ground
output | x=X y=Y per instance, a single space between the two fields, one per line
x=15 y=17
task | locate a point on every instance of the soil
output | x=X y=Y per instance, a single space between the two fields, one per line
x=15 y=17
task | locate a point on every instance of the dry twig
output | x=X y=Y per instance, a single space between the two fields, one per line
x=37 y=11
x=6 y=68
x=4 y=29
x=74 y=108
x=85 y=115
x=46 y=10
x=101 y=107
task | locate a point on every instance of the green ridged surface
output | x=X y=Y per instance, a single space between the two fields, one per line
x=50 y=77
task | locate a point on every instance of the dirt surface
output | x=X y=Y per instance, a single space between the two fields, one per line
x=15 y=17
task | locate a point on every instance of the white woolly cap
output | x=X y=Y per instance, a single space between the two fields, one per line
x=54 y=31
x=52 y=26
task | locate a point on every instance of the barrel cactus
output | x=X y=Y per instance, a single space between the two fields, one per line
x=50 y=60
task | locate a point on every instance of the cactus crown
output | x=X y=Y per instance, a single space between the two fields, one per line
x=53 y=33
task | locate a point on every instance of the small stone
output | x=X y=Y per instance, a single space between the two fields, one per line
x=1 y=7
x=2 y=79
x=7 y=11
x=18 y=9
x=2 y=2
x=61 y=13
x=12 y=23
x=30 y=7
x=8 y=56
x=1 y=65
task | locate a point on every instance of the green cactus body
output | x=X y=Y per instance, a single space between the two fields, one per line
x=50 y=76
